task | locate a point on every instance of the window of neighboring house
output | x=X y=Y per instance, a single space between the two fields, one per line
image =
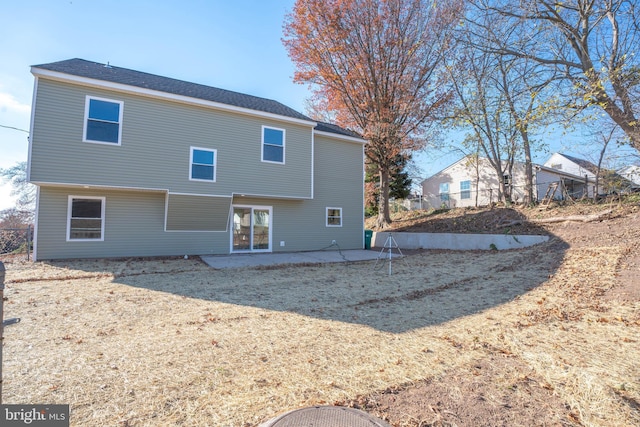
x=507 y=179
x=272 y=145
x=203 y=164
x=85 y=218
x=444 y=192
x=334 y=217
x=465 y=189
x=103 y=120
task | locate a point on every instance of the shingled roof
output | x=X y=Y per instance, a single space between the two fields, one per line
x=330 y=127
x=584 y=164
x=113 y=74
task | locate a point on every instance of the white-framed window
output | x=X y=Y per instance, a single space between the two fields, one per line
x=334 y=217
x=465 y=189
x=103 y=120
x=85 y=218
x=444 y=192
x=202 y=164
x=273 y=144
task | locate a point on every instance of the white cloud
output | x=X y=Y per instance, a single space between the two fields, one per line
x=9 y=103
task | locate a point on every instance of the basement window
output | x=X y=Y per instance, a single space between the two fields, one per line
x=334 y=217
x=85 y=218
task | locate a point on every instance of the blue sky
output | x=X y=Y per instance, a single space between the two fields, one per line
x=234 y=45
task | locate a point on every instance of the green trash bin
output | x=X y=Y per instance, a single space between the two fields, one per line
x=368 y=234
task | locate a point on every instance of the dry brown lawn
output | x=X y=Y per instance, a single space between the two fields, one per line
x=541 y=336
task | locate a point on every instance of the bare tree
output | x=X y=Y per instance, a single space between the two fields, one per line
x=523 y=88
x=483 y=108
x=589 y=45
x=377 y=65
x=25 y=192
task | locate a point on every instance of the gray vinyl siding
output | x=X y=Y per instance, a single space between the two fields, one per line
x=155 y=147
x=175 y=215
x=134 y=226
x=197 y=213
x=338 y=182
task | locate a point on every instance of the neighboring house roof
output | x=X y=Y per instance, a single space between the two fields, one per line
x=562 y=173
x=609 y=178
x=124 y=76
x=485 y=162
x=584 y=164
x=631 y=173
x=329 y=127
x=463 y=159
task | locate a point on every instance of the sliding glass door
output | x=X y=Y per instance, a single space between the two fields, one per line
x=251 y=229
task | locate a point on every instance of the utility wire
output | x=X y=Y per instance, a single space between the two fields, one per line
x=14 y=128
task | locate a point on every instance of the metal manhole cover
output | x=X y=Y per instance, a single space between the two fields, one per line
x=325 y=416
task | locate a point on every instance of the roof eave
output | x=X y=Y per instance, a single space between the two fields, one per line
x=564 y=174
x=103 y=84
x=341 y=136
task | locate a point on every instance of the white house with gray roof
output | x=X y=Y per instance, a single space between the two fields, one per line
x=473 y=181
x=134 y=164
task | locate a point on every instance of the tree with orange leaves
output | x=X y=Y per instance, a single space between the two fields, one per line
x=376 y=65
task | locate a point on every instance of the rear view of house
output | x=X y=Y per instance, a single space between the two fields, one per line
x=133 y=164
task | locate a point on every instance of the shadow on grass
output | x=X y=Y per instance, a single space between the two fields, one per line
x=424 y=289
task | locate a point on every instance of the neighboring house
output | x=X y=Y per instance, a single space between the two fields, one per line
x=133 y=164
x=632 y=174
x=572 y=165
x=609 y=181
x=470 y=182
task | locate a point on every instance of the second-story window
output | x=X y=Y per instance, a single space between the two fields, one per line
x=103 y=120
x=272 y=145
x=203 y=164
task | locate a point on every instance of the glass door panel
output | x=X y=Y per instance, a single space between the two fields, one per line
x=260 y=229
x=241 y=229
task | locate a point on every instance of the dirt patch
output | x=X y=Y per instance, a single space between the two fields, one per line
x=495 y=391
x=537 y=336
x=629 y=280
x=499 y=220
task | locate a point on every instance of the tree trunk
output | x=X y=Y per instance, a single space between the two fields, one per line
x=528 y=168
x=508 y=185
x=477 y=186
x=496 y=163
x=599 y=169
x=625 y=119
x=384 y=216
